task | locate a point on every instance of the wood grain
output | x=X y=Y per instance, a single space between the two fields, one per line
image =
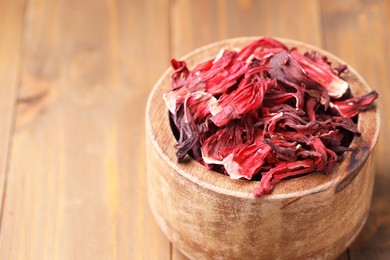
x=11 y=32
x=359 y=34
x=245 y=18
x=194 y=24
x=76 y=184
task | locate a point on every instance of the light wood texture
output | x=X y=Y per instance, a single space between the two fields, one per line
x=244 y=18
x=76 y=181
x=210 y=216
x=11 y=32
x=75 y=161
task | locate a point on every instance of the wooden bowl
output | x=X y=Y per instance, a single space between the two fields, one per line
x=207 y=215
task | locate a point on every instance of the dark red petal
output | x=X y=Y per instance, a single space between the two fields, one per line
x=294 y=136
x=284 y=68
x=283 y=149
x=344 y=122
x=188 y=133
x=310 y=128
x=310 y=108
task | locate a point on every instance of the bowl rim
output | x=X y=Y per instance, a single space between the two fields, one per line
x=296 y=187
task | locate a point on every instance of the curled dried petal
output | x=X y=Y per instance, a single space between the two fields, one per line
x=351 y=107
x=281 y=171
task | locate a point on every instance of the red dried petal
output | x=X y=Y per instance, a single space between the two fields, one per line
x=351 y=107
x=246 y=161
x=180 y=74
x=180 y=86
x=270 y=124
x=279 y=172
x=327 y=158
x=219 y=66
x=244 y=99
x=311 y=128
x=294 y=136
x=310 y=108
x=261 y=49
x=227 y=137
x=280 y=95
x=321 y=72
x=332 y=138
x=227 y=79
x=198 y=104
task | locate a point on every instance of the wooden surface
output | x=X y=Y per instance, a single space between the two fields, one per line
x=74 y=79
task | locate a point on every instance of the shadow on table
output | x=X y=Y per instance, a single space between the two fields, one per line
x=374 y=240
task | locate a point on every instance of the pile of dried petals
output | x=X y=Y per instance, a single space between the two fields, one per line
x=265 y=112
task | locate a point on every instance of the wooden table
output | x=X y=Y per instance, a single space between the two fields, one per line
x=74 y=79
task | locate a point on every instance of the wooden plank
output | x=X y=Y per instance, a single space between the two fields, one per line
x=194 y=24
x=295 y=19
x=226 y=19
x=203 y=22
x=358 y=32
x=76 y=188
x=11 y=26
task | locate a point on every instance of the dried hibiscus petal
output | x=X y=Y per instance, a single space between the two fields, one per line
x=284 y=150
x=317 y=68
x=189 y=134
x=227 y=79
x=247 y=97
x=198 y=104
x=322 y=161
x=283 y=67
x=351 y=107
x=261 y=49
x=246 y=161
x=263 y=113
x=281 y=171
x=227 y=137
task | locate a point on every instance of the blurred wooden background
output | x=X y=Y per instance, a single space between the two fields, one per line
x=74 y=79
